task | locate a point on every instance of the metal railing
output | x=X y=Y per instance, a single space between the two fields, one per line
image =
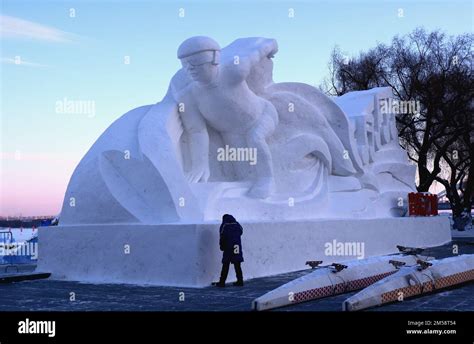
x=6 y=238
x=4 y=233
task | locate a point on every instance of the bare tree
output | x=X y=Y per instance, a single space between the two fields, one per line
x=434 y=70
x=356 y=74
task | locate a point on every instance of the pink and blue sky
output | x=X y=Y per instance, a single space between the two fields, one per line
x=76 y=50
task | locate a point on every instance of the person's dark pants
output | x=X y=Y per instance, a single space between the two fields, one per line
x=225 y=271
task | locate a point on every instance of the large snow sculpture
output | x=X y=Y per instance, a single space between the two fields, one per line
x=227 y=139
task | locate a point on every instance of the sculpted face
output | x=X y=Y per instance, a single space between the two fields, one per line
x=200 y=67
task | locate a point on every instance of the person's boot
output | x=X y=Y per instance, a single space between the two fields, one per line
x=223 y=277
x=239 y=275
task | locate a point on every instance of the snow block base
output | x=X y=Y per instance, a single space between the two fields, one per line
x=188 y=255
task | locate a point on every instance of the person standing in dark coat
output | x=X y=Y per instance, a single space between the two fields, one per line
x=229 y=241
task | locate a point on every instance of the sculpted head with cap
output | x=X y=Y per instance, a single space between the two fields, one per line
x=199 y=55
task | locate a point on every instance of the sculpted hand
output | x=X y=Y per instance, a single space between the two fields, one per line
x=200 y=173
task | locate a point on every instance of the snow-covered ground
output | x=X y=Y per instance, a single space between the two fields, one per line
x=463 y=234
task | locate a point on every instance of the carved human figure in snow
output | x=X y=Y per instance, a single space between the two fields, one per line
x=220 y=96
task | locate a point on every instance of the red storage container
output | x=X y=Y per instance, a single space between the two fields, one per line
x=422 y=204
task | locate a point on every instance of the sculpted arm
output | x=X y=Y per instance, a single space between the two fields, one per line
x=195 y=126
